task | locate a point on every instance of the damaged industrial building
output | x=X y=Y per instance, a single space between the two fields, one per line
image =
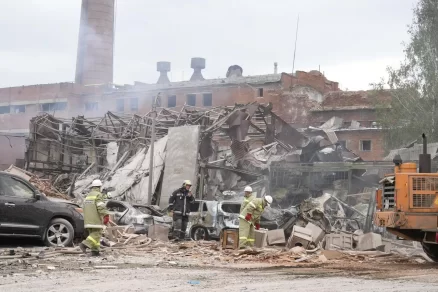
x=311 y=176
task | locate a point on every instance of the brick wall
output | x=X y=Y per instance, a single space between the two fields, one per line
x=364 y=116
x=353 y=140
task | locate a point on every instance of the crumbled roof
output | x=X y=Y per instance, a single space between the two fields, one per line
x=257 y=79
x=352 y=100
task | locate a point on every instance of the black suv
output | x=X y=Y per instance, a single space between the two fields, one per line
x=25 y=212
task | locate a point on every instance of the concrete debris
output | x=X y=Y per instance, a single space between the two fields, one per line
x=276 y=237
x=300 y=237
x=369 y=241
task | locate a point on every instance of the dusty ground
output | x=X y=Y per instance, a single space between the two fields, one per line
x=215 y=279
x=170 y=267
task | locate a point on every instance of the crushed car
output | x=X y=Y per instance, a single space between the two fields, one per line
x=139 y=216
x=207 y=219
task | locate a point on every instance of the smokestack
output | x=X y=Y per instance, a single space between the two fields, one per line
x=197 y=65
x=94 y=63
x=425 y=159
x=275 y=67
x=163 y=68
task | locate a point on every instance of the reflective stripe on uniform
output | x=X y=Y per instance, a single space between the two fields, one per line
x=100 y=204
x=252 y=204
x=243 y=237
x=94 y=226
x=251 y=240
x=91 y=198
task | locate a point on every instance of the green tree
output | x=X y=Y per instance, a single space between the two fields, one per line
x=414 y=85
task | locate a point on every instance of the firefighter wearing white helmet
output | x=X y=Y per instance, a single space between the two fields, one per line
x=95 y=217
x=179 y=204
x=247 y=197
x=249 y=219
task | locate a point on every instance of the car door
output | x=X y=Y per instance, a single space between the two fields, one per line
x=17 y=201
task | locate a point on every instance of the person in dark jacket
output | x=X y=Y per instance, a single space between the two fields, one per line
x=179 y=203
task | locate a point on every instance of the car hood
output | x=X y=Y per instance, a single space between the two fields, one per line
x=62 y=201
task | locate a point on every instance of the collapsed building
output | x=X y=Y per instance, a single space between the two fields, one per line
x=221 y=150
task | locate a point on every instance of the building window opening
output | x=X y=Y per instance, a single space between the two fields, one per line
x=207 y=99
x=5 y=110
x=343 y=144
x=120 y=105
x=260 y=92
x=18 y=109
x=365 y=145
x=171 y=101
x=134 y=104
x=53 y=106
x=91 y=106
x=191 y=99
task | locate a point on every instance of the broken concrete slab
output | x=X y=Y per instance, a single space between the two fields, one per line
x=159 y=232
x=181 y=160
x=317 y=233
x=300 y=237
x=260 y=238
x=338 y=241
x=276 y=237
x=369 y=241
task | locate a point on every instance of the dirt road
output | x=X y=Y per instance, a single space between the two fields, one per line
x=176 y=279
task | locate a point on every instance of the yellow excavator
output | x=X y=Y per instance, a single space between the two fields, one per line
x=407 y=202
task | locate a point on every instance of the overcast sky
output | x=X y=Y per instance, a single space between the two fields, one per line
x=352 y=40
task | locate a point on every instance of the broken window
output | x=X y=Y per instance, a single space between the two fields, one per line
x=171 y=101
x=53 y=106
x=207 y=99
x=343 y=144
x=365 y=145
x=191 y=99
x=120 y=105
x=134 y=104
x=91 y=106
x=260 y=91
x=16 y=109
x=4 y=110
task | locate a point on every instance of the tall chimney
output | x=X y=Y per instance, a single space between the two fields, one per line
x=275 y=67
x=163 y=68
x=197 y=65
x=94 y=63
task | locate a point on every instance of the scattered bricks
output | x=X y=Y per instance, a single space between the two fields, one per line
x=300 y=237
x=276 y=237
x=341 y=241
x=317 y=233
x=260 y=238
x=369 y=241
x=333 y=254
x=159 y=232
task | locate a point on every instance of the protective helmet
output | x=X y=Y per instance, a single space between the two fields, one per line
x=96 y=183
x=248 y=189
x=187 y=182
x=268 y=200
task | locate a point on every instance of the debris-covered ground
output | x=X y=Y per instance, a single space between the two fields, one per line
x=166 y=266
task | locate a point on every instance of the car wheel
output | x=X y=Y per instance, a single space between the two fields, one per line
x=199 y=233
x=59 y=233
